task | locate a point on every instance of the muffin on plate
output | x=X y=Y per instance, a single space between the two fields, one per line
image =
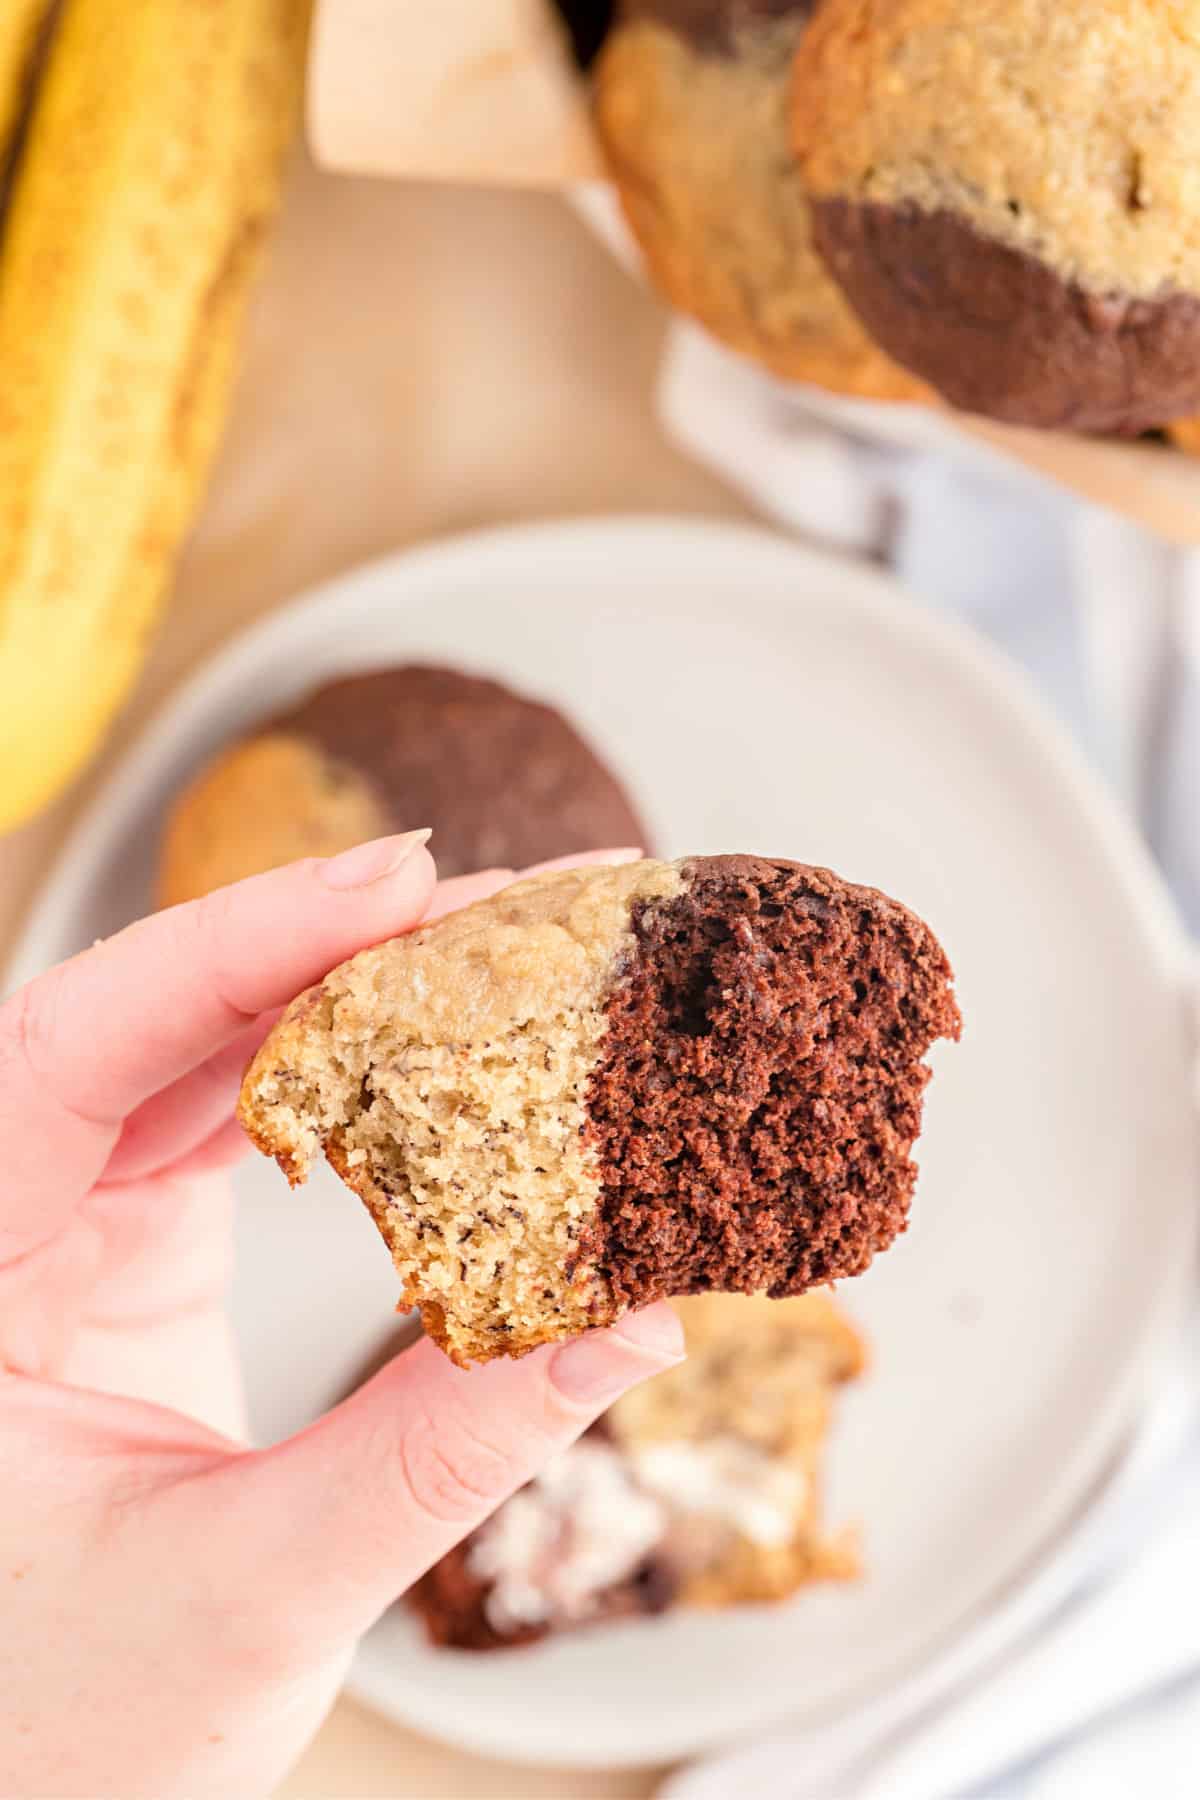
x=701 y=1488
x=692 y=106
x=504 y=782
x=1008 y=192
x=608 y=1086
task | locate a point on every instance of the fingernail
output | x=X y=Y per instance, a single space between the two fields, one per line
x=368 y=863
x=603 y=1365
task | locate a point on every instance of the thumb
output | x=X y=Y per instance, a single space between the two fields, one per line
x=329 y=1527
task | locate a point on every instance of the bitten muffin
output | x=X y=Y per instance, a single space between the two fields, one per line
x=700 y=1488
x=1008 y=191
x=692 y=109
x=606 y=1086
x=503 y=781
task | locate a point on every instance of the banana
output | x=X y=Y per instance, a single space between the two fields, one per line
x=150 y=173
x=21 y=22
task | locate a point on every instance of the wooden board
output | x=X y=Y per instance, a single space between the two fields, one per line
x=485 y=90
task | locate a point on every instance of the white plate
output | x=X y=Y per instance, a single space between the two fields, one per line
x=759 y=696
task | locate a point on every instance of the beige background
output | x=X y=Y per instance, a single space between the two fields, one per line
x=420 y=361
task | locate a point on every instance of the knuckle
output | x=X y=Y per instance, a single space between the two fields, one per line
x=24 y=1027
x=453 y=1474
x=205 y=929
x=34 y=1053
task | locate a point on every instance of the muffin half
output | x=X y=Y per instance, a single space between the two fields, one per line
x=607 y=1086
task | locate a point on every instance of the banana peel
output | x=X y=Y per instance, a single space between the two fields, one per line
x=149 y=176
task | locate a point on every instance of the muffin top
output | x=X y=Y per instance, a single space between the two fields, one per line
x=1069 y=133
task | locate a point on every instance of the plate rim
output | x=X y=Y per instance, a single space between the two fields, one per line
x=888 y=607
x=933 y=631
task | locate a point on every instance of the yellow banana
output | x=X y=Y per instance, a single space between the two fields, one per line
x=20 y=23
x=149 y=174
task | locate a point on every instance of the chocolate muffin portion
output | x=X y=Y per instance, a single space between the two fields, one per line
x=692 y=109
x=503 y=780
x=759 y=1083
x=607 y=1086
x=702 y=1488
x=1006 y=193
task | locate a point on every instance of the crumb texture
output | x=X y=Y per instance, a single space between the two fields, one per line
x=444 y=1075
x=759 y=1087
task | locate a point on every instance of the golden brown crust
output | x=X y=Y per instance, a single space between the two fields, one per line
x=766 y=1373
x=1067 y=133
x=763 y=1374
x=263 y=803
x=701 y=1488
x=1185 y=435
x=1009 y=201
x=698 y=145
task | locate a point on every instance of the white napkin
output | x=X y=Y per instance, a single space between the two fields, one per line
x=1103 y=618
x=1088 y=1685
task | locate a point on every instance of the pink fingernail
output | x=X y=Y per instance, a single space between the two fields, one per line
x=597 y=1368
x=368 y=863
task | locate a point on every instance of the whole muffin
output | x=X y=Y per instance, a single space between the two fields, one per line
x=701 y=1488
x=607 y=1086
x=692 y=108
x=1008 y=191
x=504 y=782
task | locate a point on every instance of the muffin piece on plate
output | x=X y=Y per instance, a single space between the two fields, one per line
x=504 y=781
x=606 y=1086
x=692 y=104
x=701 y=1488
x=1008 y=191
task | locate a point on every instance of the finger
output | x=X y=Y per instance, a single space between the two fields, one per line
x=83 y=1046
x=338 y=1521
x=465 y=890
x=168 y=1248
x=181 y=1118
x=227 y=1147
x=584 y=859
x=173 y=1123
x=178 y=1121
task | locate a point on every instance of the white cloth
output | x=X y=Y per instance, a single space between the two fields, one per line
x=1095 y=1692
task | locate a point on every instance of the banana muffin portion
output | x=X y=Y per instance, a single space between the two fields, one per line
x=504 y=781
x=701 y=1488
x=692 y=106
x=606 y=1086
x=1008 y=192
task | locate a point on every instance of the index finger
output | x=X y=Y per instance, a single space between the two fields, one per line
x=83 y=1045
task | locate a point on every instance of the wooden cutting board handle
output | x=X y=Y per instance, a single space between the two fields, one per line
x=457 y=90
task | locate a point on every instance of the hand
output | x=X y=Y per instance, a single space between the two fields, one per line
x=178 y=1610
